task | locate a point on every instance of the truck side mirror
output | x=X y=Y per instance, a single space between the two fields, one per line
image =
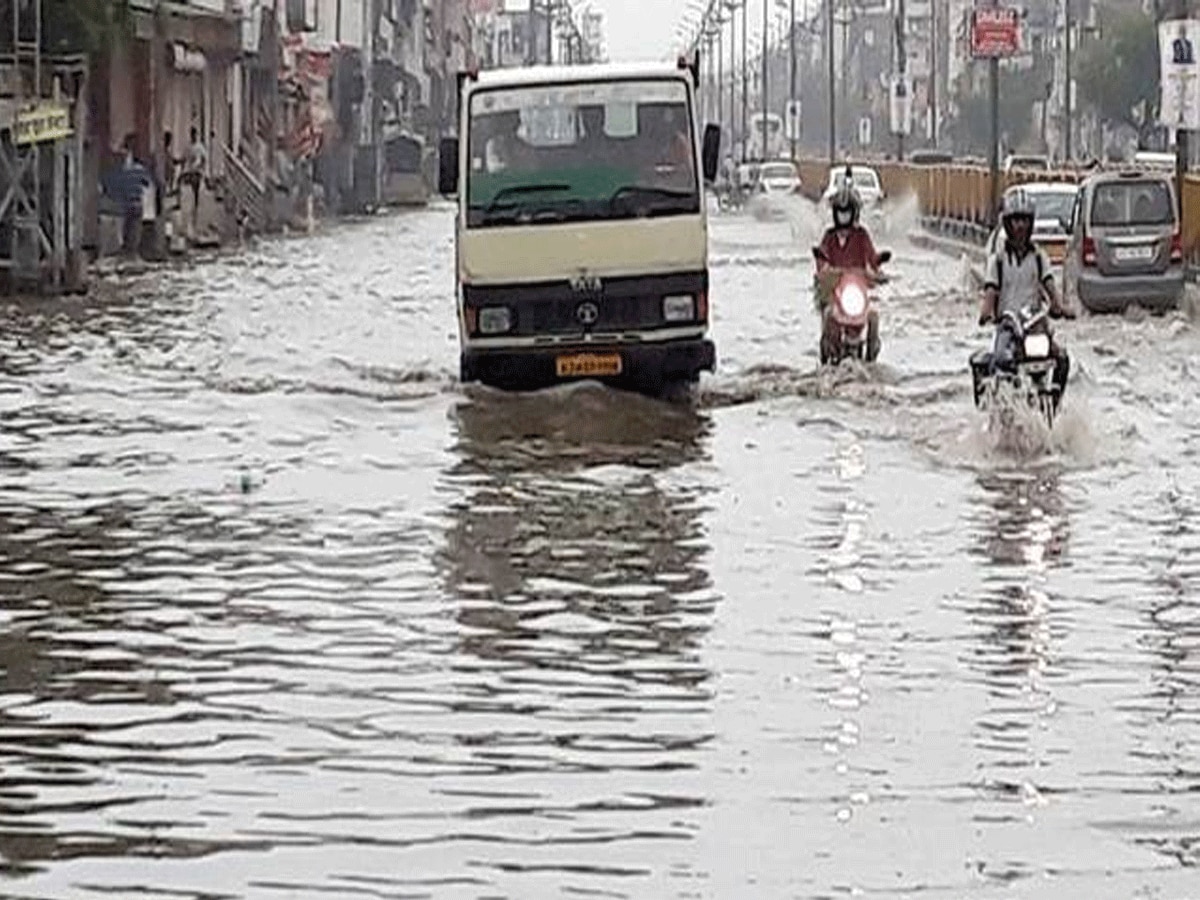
x=710 y=151
x=448 y=166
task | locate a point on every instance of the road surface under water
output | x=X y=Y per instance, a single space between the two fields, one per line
x=286 y=612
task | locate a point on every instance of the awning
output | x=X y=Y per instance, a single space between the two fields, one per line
x=197 y=26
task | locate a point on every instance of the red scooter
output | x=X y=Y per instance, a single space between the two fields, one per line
x=848 y=326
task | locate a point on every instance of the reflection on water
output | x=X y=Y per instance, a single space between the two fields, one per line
x=1024 y=536
x=575 y=566
x=455 y=644
x=848 y=514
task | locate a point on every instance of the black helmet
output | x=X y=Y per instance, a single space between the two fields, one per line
x=845 y=199
x=1017 y=205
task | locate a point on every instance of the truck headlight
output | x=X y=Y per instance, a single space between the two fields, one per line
x=495 y=319
x=680 y=308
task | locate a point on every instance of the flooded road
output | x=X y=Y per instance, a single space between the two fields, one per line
x=287 y=613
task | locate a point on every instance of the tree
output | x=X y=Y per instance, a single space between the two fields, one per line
x=1117 y=77
x=971 y=127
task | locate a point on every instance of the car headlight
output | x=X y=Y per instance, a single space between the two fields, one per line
x=680 y=308
x=495 y=319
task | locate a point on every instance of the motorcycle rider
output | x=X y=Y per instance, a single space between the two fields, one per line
x=846 y=245
x=1018 y=273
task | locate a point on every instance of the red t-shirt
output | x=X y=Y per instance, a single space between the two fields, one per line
x=858 y=252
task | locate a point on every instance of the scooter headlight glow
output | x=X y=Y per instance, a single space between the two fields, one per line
x=853 y=300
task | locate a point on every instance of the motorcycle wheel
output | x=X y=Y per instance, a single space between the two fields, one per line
x=1046 y=402
x=873 y=342
x=830 y=347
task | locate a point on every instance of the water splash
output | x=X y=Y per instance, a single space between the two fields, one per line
x=901 y=219
x=806 y=219
x=1189 y=304
x=864 y=384
x=1012 y=431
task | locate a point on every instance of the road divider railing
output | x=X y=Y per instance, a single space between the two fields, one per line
x=956 y=200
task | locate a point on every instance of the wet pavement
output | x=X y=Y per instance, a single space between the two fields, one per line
x=286 y=612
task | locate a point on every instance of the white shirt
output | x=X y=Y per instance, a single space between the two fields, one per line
x=1021 y=280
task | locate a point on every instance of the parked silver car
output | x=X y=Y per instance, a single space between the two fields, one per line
x=1126 y=245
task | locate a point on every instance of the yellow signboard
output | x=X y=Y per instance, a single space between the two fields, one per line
x=44 y=122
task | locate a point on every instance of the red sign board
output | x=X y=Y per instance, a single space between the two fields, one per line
x=995 y=31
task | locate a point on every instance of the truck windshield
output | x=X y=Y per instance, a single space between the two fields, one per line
x=590 y=150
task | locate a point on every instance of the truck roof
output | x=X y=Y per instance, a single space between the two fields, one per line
x=531 y=75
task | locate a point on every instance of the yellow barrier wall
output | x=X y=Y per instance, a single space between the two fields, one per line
x=963 y=193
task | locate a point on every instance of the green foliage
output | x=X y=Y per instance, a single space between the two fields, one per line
x=1117 y=74
x=1019 y=90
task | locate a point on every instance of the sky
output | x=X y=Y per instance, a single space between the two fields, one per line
x=645 y=29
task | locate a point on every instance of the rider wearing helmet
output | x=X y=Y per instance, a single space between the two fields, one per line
x=1018 y=273
x=846 y=245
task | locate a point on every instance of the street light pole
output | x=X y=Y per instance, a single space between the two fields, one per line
x=1069 y=118
x=792 y=73
x=933 y=71
x=902 y=66
x=720 y=27
x=994 y=142
x=765 y=104
x=745 y=81
x=832 y=79
x=733 y=69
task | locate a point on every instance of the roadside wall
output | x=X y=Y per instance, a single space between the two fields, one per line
x=956 y=198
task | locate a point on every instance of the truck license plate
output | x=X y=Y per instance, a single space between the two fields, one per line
x=588 y=365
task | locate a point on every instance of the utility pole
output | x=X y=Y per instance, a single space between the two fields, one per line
x=765 y=104
x=1168 y=11
x=902 y=66
x=720 y=28
x=531 y=35
x=934 y=44
x=994 y=143
x=832 y=82
x=745 y=82
x=732 y=70
x=792 y=74
x=1069 y=119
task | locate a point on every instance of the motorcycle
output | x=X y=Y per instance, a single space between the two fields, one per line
x=1026 y=369
x=848 y=330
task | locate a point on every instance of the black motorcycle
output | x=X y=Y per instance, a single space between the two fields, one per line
x=1020 y=364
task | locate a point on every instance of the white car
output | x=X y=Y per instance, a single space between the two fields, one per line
x=866 y=182
x=780 y=177
x=1016 y=161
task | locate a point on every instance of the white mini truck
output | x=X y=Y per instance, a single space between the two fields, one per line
x=581 y=238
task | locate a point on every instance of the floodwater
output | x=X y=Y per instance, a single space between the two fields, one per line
x=287 y=613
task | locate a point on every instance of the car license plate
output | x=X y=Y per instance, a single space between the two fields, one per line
x=588 y=365
x=1132 y=254
x=1055 y=251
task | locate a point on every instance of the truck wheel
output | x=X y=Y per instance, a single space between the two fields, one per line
x=466 y=371
x=678 y=389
